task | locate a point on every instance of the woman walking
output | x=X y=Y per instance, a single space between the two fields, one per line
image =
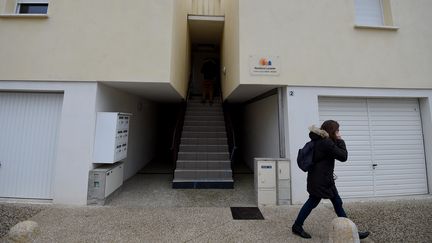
x=320 y=180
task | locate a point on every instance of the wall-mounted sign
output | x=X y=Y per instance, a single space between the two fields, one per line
x=264 y=65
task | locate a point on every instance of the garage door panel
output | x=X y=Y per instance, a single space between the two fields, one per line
x=398 y=138
x=401 y=134
x=393 y=182
x=354 y=184
x=363 y=167
x=410 y=148
x=378 y=118
x=398 y=188
x=396 y=192
x=402 y=177
x=397 y=158
x=353 y=192
x=28 y=144
x=395 y=129
x=357 y=150
x=382 y=174
x=390 y=165
x=386 y=150
x=343 y=114
x=382 y=131
x=397 y=124
x=403 y=142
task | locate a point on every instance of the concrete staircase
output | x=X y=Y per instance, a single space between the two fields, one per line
x=203 y=159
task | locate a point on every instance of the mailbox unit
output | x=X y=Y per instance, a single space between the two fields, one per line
x=111 y=139
x=272 y=181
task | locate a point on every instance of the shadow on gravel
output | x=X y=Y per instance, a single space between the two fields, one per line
x=11 y=214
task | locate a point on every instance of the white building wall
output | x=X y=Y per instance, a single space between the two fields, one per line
x=142 y=125
x=75 y=142
x=302 y=110
x=261 y=130
x=81 y=102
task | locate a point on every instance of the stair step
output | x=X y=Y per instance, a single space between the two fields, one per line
x=203 y=156
x=206 y=105
x=189 y=134
x=213 y=175
x=204 y=123
x=203 y=148
x=198 y=100
x=203 y=184
x=204 y=141
x=204 y=128
x=204 y=108
x=204 y=113
x=203 y=118
x=204 y=165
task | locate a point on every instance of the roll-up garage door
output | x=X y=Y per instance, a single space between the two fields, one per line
x=29 y=124
x=385 y=145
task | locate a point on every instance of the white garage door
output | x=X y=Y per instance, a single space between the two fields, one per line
x=29 y=124
x=385 y=146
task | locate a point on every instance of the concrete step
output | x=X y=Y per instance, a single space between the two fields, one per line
x=204 y=128
x=204 y=113
x=203 y=148
x=204 y=141
x=203 y=165
x=204 y=105
x=212 y=175
x=203 y=118
x=203 y=156
x=204 y=123
x=204 y=108
x=203 y=184
x=189 y=134
x=198 y=100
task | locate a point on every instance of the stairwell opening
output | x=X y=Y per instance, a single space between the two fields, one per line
x=204 y=144
x=203 y=159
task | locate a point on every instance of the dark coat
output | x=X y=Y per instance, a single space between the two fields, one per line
x=320 y=180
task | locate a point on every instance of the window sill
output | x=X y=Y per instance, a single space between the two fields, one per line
x=384 y=27
x=38 y=16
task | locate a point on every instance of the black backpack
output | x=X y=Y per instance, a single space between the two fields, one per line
x=305 y=156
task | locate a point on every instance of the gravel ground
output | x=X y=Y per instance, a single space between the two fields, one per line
x=388 y=221
x=11 y=214
x=394 y=221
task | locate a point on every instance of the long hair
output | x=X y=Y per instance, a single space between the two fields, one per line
x=331 y=127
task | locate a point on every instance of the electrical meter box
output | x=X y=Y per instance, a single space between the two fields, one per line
x=272 y=181
x=284 y=182
x=111 y=138
x=103 y=181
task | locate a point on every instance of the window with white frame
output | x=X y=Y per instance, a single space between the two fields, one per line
x=369 y=12
x=32 y=7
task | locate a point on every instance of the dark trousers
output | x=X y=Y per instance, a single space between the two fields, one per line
x=312 y=202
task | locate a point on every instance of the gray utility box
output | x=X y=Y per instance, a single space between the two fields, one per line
x=103 y=181
x=272 y=181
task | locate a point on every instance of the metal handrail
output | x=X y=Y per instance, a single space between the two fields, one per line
x=230 y=126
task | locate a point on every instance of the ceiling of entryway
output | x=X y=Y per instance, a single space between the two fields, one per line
x=205 y=29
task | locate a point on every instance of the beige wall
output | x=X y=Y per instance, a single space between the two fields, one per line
x=85 y=40
x=230 y=47
x=319 y=46
x=180 y=59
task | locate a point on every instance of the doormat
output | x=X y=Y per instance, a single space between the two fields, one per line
x=246 y=213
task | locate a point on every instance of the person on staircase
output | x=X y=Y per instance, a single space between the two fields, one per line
x=209 y=70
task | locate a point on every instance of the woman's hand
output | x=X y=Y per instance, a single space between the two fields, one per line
x=338 y=135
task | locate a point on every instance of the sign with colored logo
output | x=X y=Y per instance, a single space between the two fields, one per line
x=264 y=65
